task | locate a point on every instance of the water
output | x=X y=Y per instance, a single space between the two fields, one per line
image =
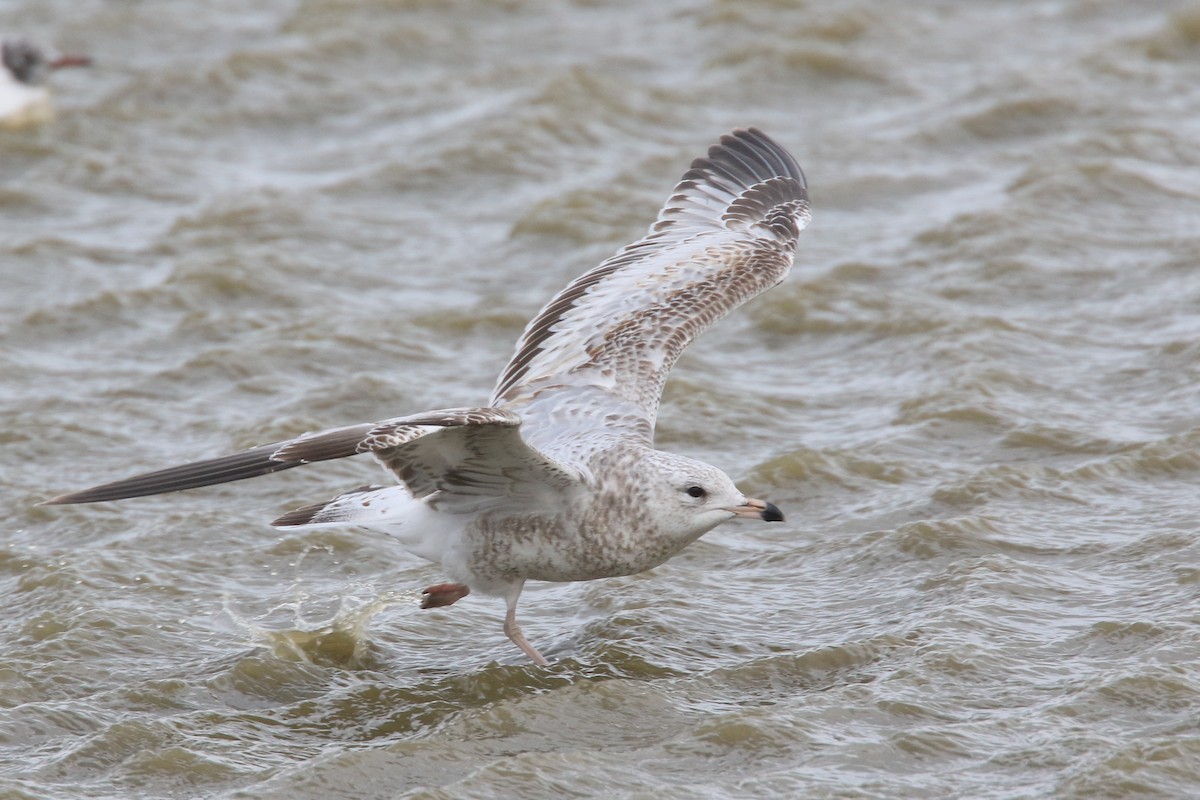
x=976 y=399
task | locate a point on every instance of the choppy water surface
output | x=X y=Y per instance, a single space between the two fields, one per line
x=976 y=398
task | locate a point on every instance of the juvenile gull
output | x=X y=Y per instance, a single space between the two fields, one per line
x=557 y=479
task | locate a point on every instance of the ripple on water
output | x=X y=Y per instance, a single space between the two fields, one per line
x=1022 y=117
x=178 y=769
x=839 y=304
x=788 y=675
x=96 y=756
x=1118 y=769
x=1177 y=39
x=1171 y=457
x=817 y=48
x=1008 y=482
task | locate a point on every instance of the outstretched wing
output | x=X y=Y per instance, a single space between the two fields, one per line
x=727 y=233
x=469 y=451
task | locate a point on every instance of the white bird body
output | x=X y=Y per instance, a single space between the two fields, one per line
x=22 y=105
x=558 y=478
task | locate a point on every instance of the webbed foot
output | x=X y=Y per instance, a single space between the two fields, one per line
x=443 y=594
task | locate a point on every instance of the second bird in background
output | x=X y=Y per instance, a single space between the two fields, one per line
x=24 y=68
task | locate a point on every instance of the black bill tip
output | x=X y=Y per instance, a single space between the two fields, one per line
x=772 y=513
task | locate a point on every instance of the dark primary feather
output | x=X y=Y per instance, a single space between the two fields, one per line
x=308 y=448
x=247 y=464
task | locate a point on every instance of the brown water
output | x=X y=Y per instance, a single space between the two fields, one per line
x=976 y=398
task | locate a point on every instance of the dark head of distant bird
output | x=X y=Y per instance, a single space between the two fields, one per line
x=29 y=65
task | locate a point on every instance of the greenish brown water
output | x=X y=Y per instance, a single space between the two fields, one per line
x=976 y=398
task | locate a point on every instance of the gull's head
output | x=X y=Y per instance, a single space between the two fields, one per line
x=29 y=65
x=692 y=498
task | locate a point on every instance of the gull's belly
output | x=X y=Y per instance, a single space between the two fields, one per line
x=22 y=106
x=528 y=549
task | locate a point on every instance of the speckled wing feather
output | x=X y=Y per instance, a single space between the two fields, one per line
x=464 y=453
x=453 y=450
x=727 y=233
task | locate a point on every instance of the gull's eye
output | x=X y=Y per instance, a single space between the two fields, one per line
x=696 y=491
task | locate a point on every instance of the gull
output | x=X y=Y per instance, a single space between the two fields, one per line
x=23 y=70
x=557 y=478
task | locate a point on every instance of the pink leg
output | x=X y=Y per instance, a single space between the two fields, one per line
x=443 y=594
x=513 y=631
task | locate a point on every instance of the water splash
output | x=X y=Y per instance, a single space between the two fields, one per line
x=339 y=639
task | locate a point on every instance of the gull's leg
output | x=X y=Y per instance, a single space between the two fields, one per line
x=513 y=631
x=443 y=594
